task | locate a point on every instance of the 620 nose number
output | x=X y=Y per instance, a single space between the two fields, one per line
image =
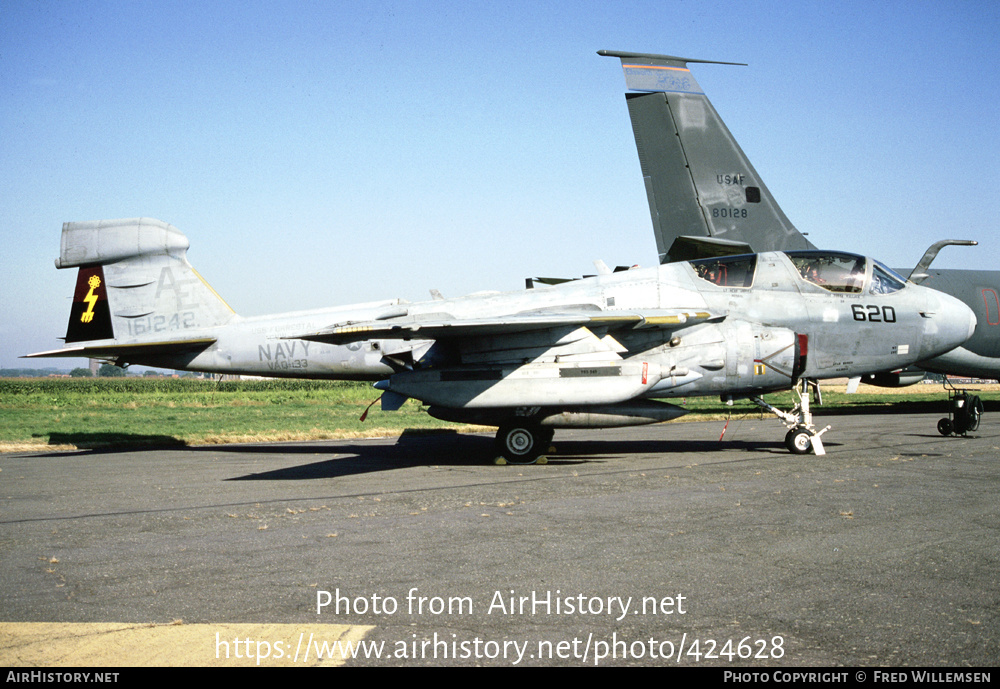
x=874 y=314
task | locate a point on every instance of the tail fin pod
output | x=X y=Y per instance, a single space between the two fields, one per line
x=705 y=198
x=135 y=282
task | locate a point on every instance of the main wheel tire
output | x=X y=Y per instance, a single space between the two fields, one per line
x=521 y=444
x=798 y=441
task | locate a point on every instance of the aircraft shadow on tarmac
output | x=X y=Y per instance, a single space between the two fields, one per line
x=413 y=448
x=454 y=449
x=111 y=442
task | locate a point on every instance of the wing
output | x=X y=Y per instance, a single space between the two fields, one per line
x=445 y=327
x=518 y=360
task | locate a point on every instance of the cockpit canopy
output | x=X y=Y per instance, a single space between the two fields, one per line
x=727 y=271
x=833 y=271
x=885 y=279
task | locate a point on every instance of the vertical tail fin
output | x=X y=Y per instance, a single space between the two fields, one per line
x=705 y=198
x=90 y=316
x=135 y=283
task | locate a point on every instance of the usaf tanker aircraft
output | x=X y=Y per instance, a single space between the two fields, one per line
x=589 y=353
x=706 y=199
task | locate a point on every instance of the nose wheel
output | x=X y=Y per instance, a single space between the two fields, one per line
x=799 y=440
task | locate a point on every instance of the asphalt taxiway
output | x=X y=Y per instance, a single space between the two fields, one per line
x=630 y=543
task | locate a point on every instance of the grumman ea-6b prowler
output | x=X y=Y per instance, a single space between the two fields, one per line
x=584 y=353
x=588 y=353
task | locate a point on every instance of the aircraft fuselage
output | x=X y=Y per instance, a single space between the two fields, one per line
x=759 y=337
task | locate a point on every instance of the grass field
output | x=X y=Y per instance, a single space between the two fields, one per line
x=61 y=413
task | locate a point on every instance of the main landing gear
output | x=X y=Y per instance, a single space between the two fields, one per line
x=523 y=443
x=802 y=436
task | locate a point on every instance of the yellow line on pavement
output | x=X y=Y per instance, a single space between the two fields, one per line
x=57 y=644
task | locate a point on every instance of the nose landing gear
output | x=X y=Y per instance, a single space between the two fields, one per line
x=802 y=436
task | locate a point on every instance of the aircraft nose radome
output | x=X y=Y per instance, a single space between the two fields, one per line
x=972 y=323
x=960 y=320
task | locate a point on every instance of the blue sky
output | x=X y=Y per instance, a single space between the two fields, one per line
x=322 y=153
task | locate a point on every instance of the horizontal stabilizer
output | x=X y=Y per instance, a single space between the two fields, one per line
x=660 y=73
x=127 y=351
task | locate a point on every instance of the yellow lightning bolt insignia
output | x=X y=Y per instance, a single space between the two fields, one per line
x=91 y=299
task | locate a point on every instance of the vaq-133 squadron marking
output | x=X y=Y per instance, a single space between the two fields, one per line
x=595 y=352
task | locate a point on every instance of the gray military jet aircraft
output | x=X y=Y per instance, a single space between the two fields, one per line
x=590 y=353
x=706 y=199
